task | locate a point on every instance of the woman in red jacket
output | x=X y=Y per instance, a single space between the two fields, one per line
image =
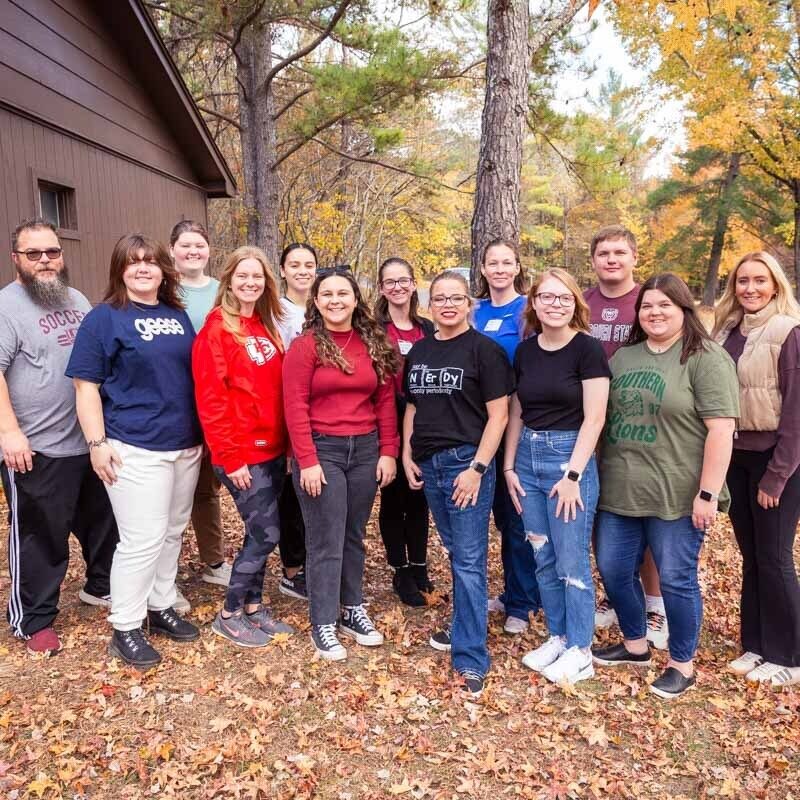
x=339 y=400
x=237 y=364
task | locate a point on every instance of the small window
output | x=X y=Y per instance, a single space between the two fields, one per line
x=58 y=205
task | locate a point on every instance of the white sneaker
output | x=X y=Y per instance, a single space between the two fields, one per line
x=763 y=672
x=786 y=676
x=221 y=575
x=604 y=615
x=515 y=625
x=745 y=663
x=657 y=630
x=496 y=606
x=544 y=655
x=181 y=604
x=94 y=600
x=574 y=665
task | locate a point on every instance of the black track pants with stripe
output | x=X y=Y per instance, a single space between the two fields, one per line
x=57 y=496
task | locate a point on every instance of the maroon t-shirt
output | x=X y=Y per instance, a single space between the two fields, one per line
x=611 y=318
x=402 y=340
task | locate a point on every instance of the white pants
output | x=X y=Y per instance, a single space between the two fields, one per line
x=152 y=502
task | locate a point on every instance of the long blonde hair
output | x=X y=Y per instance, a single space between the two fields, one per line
x=729 y=307
x=268 y=307
x=580 y=316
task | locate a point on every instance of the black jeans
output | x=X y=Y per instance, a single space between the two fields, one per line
x=403 y=521
x=57 y=496
x=293 y=533
x=770 y=605
x=335 y=522
x=258 y=508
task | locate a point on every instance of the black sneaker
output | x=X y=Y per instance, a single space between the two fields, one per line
x=619 y=654
x=133 y=648
x=406 y=587
x=295 y=586
x=168 y=623
x=672 y=683
x=441 y=640
x=420 y=574
x=356 y=623
x=326 y=642
x=473 y=683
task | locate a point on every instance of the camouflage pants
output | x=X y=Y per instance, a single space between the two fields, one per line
x=258 y=507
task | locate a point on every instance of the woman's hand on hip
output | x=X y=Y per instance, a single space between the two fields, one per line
x=241 y=478
x=515 y=490
x=105 y=462
x=569 y=498
x=386 y=471
x=704 y=512
x=312 y=480
x=467 y=486
x=413 y=473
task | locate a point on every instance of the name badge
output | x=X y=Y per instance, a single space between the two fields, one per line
x=493 y=325
x=405 y=347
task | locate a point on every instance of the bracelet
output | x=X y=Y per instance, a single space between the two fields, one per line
x=96 y=442
x=508 y=469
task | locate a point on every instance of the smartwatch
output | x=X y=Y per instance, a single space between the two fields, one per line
x=704 y=495
x=572 y=475
x=478 y=467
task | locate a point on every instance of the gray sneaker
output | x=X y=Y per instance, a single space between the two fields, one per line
x=239 y=630
x=264 y=620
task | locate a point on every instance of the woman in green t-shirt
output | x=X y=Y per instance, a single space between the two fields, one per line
x=672 y=412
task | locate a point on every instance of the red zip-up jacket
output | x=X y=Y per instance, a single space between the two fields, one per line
x=239 y=392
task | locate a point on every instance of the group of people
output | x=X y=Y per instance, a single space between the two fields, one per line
x=610 y=419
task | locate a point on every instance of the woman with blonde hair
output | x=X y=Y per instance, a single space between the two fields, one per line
x=550 y=468
x=237 y=362
x=758 y=323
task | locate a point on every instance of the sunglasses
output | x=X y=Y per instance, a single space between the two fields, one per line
x=338 y=269
x=35 y=255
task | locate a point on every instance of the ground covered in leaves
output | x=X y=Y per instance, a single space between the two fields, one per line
x=214 y=721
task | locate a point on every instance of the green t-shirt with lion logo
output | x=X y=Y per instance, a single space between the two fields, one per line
x=652 y=453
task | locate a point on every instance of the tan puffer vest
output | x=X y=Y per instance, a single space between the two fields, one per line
x=759 y=390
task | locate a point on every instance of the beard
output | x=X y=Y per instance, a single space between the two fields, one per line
x=52 y=293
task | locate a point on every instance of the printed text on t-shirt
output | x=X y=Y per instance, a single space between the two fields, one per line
x=149 y=327
x=422 y=380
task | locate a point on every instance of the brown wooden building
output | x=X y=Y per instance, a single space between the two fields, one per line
x=98 y=132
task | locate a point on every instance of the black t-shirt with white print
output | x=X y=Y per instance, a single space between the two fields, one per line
x=449 y=382
x=550 y=382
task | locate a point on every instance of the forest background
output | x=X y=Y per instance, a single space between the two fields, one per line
x=422 y=128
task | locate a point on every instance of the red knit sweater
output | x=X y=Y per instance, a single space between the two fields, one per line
x=238 y=391
x=323 y=399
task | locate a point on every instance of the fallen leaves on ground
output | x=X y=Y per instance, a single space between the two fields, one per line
x=214 y=721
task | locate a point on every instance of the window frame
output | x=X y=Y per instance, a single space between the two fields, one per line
x=57 y=183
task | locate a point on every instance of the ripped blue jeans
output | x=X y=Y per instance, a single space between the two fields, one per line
x=563 y=567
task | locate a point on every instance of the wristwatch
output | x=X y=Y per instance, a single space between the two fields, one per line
x=478 y=467
x=572 y=475
x=704 y=495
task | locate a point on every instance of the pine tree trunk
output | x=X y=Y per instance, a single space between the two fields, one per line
x=498 y=178
x=258 y=139
x=720 y=229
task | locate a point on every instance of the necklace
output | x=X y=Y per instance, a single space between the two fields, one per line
x=344 y=346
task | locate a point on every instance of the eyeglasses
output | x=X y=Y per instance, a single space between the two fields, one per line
x=456 y=300
x=403 y=283
x=549 y=299
x=36 y=255
x=338 y=269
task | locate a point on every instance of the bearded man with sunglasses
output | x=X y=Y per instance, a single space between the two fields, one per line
x=49 y=484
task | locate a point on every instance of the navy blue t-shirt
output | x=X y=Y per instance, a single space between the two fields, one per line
x=502 y=323
x=141 y=356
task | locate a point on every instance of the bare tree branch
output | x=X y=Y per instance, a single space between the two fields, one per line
x=281 y=111
x=552 y=25
x=214 y=113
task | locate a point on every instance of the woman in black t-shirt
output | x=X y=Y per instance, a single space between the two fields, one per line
x=457 y=384
x=556 y=417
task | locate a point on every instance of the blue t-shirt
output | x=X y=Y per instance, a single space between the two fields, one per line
x=501 y=323
x=141 y=356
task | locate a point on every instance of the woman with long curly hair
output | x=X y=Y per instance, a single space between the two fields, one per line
x=340 y=411
x=237 y=360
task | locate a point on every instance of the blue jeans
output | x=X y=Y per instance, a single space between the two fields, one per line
x=520 y=590
x=675 y=544
x=465 y=535
x=563 y=567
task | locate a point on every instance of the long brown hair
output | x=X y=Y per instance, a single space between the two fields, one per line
x=385 y=360
x=695 y=336
x=267 y=307
x=125 y=252
x=520 y=281
x=382 y=304
x=580 y=316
